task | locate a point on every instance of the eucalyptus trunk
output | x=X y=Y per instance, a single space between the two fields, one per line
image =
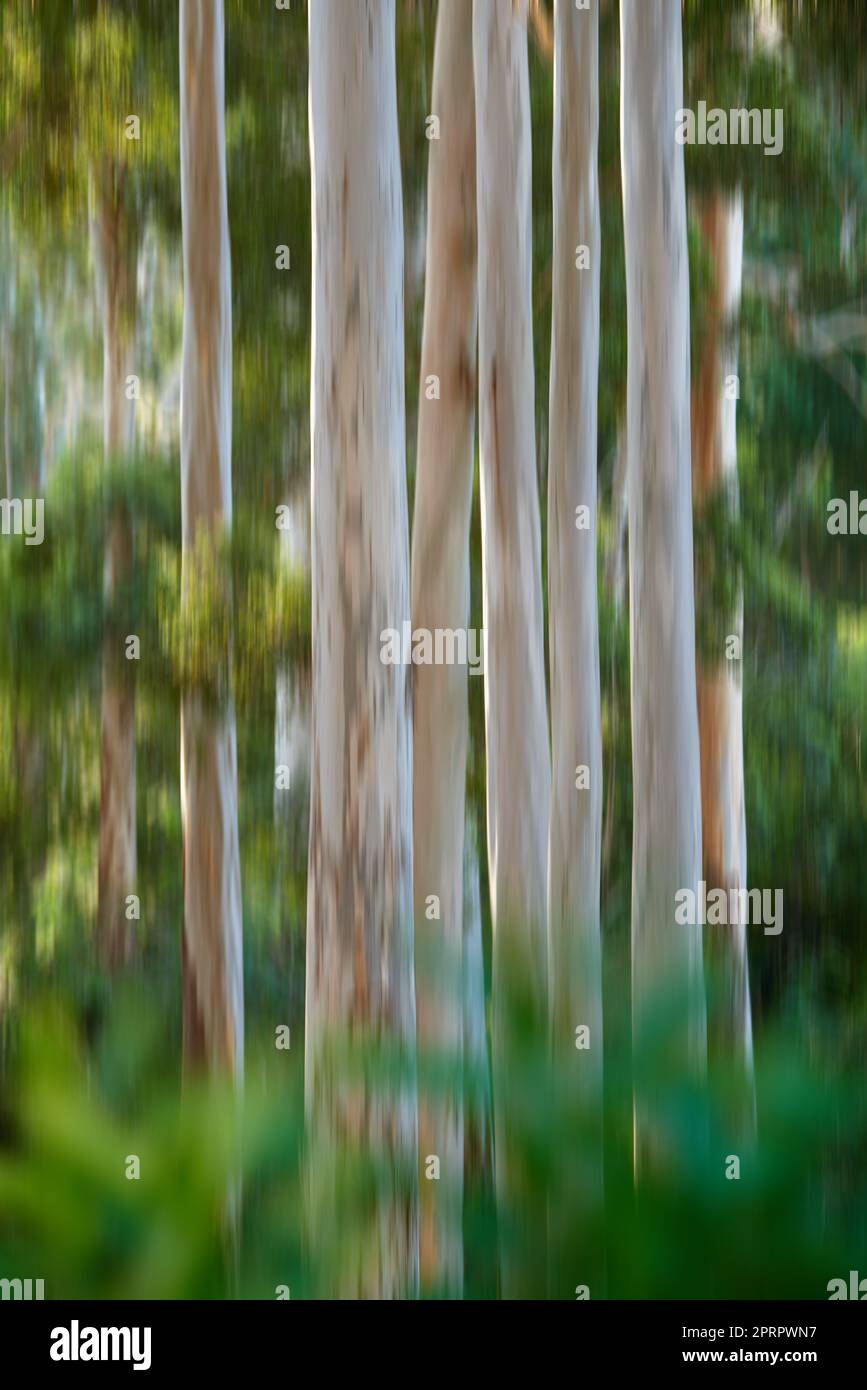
x=212 y=940
x=7 y=396
x=478 y=1129
x=292 y=684
x=441 y=599
x=518 y=761
x=575 y=837
x=667 y=979
x=360 y=986
x=719 y=678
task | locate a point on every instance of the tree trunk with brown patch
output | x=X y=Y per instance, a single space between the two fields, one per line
x=360 y=987
x=518 y=762
x=575 y=837
x=718 y=678
x=441 y=599
x=667 y=980
x=212 y=941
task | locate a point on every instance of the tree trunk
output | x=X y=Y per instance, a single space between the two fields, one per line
x=518 y=763
x=7 y=396
x=441 y=599
x=360 y=987
x=292 y=687
x=212 y=942
x=667 y=984
x=719 y=681
x=478 y=1134
x=574 y=849
x=117 y=815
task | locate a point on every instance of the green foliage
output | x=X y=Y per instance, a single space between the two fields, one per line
x=81 y=1098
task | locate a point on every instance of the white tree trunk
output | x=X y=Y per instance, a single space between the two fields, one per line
x=441 y=599
x=519 y=775
x=576 y=727
x=212 y=943
x=360 y=987
x=575 y=840
x=719 y=681
x=117 y=813
x=666 y=845
x=292 y=687
x=291 y=738
x=518 y=761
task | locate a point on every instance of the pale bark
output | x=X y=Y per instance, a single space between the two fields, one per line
x=212 y=940
x=667 y=983
x=10 y=295
x=117 y=814
x=40 y=460
x=515 y=703
x=292 y=687
x=360 y=987
x=441 y=599
x=291 y=738
x=518 y=762
x=576 y=727
x=574 y=850
x=719 y=681
x=7 y=397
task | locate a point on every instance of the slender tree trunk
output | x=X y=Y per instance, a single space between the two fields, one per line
x=478 y=1130
x=40 y=461
x=575 y=839
x=667 y=983
x=117 y=816
x=360 y=987
x=212 y=941
x=7 y=397
x=8 y=357
x=615 y=580
x=518 y=762
x=292 y=687
x=291 y=739
x=719 y=680
x=291 y=734
x=441 y=599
